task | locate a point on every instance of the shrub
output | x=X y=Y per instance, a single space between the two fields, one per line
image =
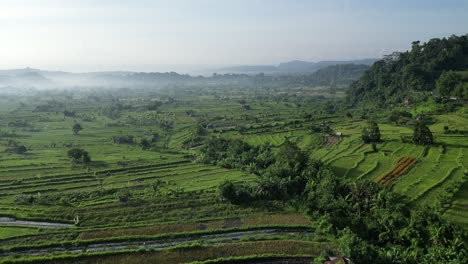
x=18 y=149
x=128 y=139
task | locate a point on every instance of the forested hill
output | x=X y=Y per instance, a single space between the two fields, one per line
x=415 y=73
x=341 y=74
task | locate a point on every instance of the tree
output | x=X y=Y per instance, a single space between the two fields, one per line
x=200 y=130
x=154 y=106
x=19 y=149
x=371 y=133
x=79 y=155
x=399 y=117
x=145 y=143
x=227 y=190
x=329 y=108
x=236 y=194
x=123 y=195
x=461 y=90
x=291 y=156
x=86 y=158
x=126 y=139
x=354 y=247
x=77 y=128
x=156 y=187
x=422 y=135
x=447 y=83
x=69 y=113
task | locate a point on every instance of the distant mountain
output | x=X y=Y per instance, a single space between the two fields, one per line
x=24 y=78
x=34 y=78
x=292 y=73
x=249 y=69
x=307 y=67
x=294 y=67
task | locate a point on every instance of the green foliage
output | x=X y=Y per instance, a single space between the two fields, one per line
x=77 y=128
x=19 y=124
x=399 y=117
x=192 y=141
x=461 y=90
x=124 y=139
x=281 y=176
x=79 y=155
x=422 y=135
x=145 y=143
x=235 y=153
x=156 y=187
x=17 y=149
x=236 y=194
x=373 y=225
x=291 y=159
x=200 y=130
x=341 y=74
x=69 y=113
x=447 y=83
x=399 y=75
x=371 y=133
x=123 y=195
x=154 y=105
x=155 y=137
x=355 y=248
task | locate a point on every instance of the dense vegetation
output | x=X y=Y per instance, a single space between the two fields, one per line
x=342 y=74
x=414 y=74
x=372 y=224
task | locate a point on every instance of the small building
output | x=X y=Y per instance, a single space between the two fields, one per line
x=339 y=134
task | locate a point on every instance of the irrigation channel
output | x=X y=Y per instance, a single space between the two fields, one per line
x=8 y=221
x=208 y=239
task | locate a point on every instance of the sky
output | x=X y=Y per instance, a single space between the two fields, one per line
x=143 y=35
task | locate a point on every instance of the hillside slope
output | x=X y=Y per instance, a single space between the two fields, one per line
x=410 y=74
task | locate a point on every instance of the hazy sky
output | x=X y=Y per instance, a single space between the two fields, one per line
x=86 y=35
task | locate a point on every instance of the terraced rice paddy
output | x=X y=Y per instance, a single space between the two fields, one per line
x=402 y=166
x=168 y=196
x=258 y=250
x=459 y=206
x=170 y=200
x=434 y=176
